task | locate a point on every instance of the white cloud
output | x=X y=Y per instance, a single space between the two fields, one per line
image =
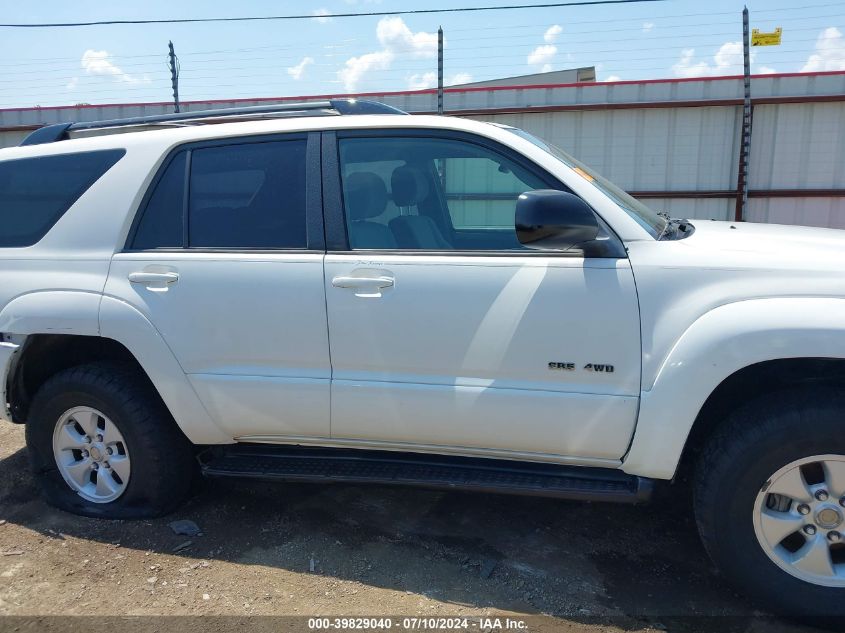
x=552 y=33
x=421 y=81
x=321 y=13
x=99 y=63
x=542 y=54
x=648 y=27
x=728 y=60
x=829 y=52
x=72 y=84
x=395 y=38
x=458 y=78
x=685 y=67
x=356 y=67
x=614 y=78
x=394 y=35
x=298 y=71
x=729 y=56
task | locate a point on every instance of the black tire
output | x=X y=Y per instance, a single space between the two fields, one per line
x=163 y=465
x=755 y=442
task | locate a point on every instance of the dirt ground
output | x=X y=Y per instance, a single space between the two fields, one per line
x=330 y=550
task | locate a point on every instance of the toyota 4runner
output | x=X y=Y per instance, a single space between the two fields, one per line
x=336 y=291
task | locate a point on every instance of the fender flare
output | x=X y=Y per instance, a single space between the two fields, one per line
x=718 y=344
x=129 y=327
x=43 y=312
x=81 y=313
x=52 y=312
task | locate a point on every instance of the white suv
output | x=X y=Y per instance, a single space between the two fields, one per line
x=314 y=292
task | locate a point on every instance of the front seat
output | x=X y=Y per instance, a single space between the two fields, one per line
x=366 y=197
x=410 y=187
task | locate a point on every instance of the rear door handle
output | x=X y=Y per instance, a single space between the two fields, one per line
x=157 y=282
x=362 y=282
x=152 y=278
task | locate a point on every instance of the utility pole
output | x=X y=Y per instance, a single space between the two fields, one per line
x=440 y=70
x=174 y=76
x=747 y=112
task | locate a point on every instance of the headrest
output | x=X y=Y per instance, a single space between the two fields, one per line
x=409 y=186
x=365 y=195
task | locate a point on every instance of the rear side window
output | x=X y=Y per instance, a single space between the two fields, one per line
x=243 y=196
x=161 y=226
x=248 y=196
x=36 y=192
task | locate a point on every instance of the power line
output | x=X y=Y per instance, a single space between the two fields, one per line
x=311 y=16
x=691 y=40
x=201 y=82
x=788 y=56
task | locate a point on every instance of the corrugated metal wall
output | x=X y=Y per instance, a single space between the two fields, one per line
x=675 y=143
x=10 y=138
x=799 y=147
x=650 y=149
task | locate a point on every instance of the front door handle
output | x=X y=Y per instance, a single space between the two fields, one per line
x=365 y=282
x=362 y=282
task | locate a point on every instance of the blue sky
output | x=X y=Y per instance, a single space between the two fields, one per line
x=109 y=64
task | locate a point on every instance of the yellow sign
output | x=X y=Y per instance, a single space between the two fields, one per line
x=766 y=39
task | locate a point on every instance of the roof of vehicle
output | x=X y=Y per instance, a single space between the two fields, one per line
x=168 y=137
x=324 y=107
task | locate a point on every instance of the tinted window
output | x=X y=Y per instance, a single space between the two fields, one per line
x=36 y=192
x=421 y=193
x=248 y=196
x=161 y=222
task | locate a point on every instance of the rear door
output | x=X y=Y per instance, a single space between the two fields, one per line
x=446 y=333
x=226 y=261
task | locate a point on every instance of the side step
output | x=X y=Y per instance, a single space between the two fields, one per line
x=294 y=463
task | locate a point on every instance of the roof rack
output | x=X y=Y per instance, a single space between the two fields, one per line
x=328 y=107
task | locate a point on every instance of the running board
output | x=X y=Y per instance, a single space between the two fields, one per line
x=293 y=463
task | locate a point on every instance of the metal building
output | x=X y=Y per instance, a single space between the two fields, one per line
x=569 y=76
x=672 y=142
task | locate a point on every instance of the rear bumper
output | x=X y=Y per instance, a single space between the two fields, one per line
x=7 y=355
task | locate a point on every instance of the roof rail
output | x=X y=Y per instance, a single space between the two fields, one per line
x=329 y=107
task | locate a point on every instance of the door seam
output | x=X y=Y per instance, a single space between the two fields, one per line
x=325 y=280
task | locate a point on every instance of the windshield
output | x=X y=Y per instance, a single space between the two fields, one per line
x=649 y=219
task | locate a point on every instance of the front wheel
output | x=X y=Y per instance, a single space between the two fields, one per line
x=102 y=443
x=770 y=501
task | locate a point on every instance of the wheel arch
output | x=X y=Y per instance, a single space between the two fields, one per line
x=124 y=334
x=727 y=356
x=750 y=383
x=42 y=355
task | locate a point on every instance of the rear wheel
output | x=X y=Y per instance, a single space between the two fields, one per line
x=770 y=501
x=102 y=444
x=91 y=454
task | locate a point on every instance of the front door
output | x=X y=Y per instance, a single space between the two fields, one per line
x=447 y=334
x=221 y=263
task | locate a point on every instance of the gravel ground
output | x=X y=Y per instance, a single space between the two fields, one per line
x=276 y=549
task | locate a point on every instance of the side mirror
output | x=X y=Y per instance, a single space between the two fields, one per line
x=554 y=220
